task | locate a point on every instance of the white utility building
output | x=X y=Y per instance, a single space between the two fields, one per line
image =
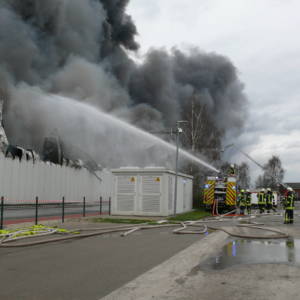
x=150 y=192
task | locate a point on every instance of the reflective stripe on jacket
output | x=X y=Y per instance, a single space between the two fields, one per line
x=269 y=198
x=242 y=199
x=248 y=199
x=261 y=198
x=289 y=201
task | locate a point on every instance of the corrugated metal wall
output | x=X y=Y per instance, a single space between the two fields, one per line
x=150 y=192
x=22 y=181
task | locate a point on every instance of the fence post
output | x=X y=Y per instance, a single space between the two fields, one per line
x=2 y=210
x=83 y=213
x=63 y=210
x=101 y=205
x=109 y=205
x=36 y=210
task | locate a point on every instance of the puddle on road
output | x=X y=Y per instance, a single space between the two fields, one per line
x=240 y=251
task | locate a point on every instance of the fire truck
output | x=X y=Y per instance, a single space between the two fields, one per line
x=220 y=193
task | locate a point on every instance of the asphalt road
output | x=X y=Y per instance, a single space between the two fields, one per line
x=84 y=269
x=251 y=270
x=17 y=213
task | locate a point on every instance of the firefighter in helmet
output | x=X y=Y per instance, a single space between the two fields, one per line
x=289 y=206
x=261 y=201
x=248 y=201
x=269 y=200
x=231 y=171
x=241 y=201
x=273 y=205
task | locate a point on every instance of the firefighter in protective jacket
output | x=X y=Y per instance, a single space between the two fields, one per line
x=261 y=201
x=248 y=201
x=269 y=200
x=231 y=171
x=241 y=202
x=289 y=206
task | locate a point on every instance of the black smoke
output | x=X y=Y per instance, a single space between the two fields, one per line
x=81 y=49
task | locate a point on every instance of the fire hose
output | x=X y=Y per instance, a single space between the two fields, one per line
x=78 y=236
x=279 y=234
x=187 y=227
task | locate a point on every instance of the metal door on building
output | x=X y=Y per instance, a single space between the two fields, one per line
x=126 y=192
x=150 y=194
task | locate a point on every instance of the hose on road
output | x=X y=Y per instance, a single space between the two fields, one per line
x=279 y=234
x=187 y=227
x=86 y=235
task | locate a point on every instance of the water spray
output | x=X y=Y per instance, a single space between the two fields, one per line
x=92 y=111
x=258 y=164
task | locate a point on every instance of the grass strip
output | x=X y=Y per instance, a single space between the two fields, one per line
x=191 y=216
x=120 y=221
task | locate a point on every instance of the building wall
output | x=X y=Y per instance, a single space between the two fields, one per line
x=142 y=192
x=184 y=194
x=22 y=181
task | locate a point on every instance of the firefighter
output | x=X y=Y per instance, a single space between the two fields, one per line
x=248 y=201
x=273 y=204
x=261 y=201
x=242 y=202
x=231 y=171
x=289 y=206
x=269 y=200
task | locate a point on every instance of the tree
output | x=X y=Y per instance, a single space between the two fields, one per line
x=259 y=183
x=200 y=134
x=273 y=174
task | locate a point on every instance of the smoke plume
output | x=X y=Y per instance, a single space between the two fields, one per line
x=79 y=49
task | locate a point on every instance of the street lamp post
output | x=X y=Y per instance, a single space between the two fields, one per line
x=178 y=131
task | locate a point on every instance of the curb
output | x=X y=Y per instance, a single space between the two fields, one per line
x=164 y=280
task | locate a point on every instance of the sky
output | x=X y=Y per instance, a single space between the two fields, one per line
x=261 y=39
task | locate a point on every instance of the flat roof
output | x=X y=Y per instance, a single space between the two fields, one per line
x=151 y=170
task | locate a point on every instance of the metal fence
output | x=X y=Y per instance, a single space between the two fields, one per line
x=19 y=213
x=38 y=190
